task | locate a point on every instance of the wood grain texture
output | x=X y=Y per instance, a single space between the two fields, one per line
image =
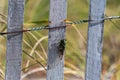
x=58 y=13
x=95 y=37
x=14 y=41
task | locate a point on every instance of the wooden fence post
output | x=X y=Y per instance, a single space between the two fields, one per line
x=95 y=36
x=55 y=67
x=14 y=41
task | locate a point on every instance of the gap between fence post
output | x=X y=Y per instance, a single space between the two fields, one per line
x=14 y=41
x=95 y=38
x=55 y=64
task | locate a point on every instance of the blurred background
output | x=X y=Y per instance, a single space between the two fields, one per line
x=35 y=43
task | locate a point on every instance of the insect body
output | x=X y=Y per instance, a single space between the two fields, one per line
x=61 y=48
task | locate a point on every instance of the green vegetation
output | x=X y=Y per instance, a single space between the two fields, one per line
x=35 y=43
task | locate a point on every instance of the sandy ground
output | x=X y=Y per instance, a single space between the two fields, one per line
x=42 y=76
x=45 y=79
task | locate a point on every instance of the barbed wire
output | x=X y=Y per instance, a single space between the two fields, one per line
x=65 y=21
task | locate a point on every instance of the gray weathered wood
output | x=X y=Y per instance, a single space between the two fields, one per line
x=55 y=70
x=14 y=41
x=95 y=36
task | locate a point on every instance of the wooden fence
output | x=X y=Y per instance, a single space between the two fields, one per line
x=55 y=65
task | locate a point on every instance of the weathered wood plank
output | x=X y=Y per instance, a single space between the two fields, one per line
x=14 y=41
x=95 y=37
x=58 y=13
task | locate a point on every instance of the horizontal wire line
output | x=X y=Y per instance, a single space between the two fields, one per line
x=69 y=23
x=114 y=24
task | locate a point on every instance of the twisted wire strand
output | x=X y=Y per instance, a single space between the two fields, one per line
x=67 y=23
